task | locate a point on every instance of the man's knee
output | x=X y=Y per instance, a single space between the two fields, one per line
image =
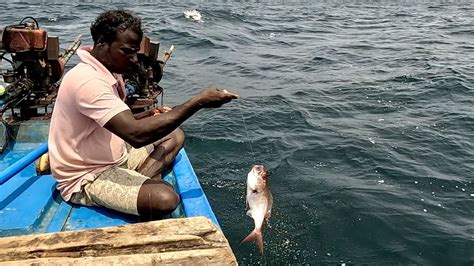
x=174 y=202
x=173 y=141
x=168 y=201
x=179 y=137
x=156 y=197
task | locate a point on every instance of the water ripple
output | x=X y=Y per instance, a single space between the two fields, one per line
x=361 y=111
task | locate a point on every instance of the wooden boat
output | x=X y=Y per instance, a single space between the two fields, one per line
x=184 y=241
x=31 y=208
x=29 y=201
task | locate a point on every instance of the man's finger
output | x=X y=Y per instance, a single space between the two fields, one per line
x=235 y=96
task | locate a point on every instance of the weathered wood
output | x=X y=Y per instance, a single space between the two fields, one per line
x=173 y=241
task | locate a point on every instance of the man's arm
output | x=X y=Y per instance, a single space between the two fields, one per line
x=143 y=114
x=158 y=110
x=150 y=129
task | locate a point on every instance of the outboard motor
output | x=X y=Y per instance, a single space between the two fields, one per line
x=142 y=85
x=31 y=81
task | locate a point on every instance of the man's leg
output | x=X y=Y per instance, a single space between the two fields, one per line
x=128 y=191
x=124 y=189
x=163 y=155
x=156 y=197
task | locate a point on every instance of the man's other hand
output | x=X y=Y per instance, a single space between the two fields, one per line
x=161 y=110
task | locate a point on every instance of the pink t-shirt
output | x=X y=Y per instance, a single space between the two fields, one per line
x=79 y=145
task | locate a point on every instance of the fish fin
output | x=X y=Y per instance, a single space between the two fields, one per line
x=249 y=213
x=267 y=223
x=268 y=214
x=257 y=237
x=260 y=242
x=267 y=217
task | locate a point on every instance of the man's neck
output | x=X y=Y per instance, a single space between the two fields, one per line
x=97 y=54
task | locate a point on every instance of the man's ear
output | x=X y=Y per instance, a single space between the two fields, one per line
x=101 y=43
x=100 y=40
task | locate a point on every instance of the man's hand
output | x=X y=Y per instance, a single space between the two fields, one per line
x=161 y=110
x=213 y=97
x=140 y=132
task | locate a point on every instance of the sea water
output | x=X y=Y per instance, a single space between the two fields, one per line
x=363 y=111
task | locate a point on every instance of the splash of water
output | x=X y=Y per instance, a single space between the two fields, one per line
x=193 y=14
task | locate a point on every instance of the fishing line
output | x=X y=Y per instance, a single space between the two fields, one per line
x=247 y=132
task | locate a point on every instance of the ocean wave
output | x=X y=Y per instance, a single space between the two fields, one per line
x=362 y=112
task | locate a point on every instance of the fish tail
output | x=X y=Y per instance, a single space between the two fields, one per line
x=257 y=237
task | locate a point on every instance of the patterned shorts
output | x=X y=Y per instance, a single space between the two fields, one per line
x=117 y=187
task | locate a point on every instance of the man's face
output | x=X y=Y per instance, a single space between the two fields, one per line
x=122 y=53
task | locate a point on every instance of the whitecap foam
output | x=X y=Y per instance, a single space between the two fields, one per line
x=193 y=14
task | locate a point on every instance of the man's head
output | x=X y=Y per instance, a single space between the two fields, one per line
x=117 y=35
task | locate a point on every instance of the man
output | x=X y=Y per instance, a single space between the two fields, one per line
x=100 y=153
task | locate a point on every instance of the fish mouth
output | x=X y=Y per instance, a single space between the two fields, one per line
x=260 y=170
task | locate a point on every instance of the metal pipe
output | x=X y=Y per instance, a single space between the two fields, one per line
x=21 y=164
x=72 y=49
x=167 y=55
x=68 y=53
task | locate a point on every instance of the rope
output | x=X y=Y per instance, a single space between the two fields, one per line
x=247 y=132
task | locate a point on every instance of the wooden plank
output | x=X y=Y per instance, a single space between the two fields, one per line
x=173 y=241
x=192 y=257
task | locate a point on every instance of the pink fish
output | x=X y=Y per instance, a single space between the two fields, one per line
x=259 y=203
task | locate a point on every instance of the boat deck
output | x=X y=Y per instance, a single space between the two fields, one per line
x=30 y=203
x=188 y=241
x=38 y=227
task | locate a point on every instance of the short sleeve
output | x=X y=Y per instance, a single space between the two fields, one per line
x=97 y=100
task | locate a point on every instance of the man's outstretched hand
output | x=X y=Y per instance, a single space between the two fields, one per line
x=214 y=97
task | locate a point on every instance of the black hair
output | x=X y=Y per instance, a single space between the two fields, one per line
x=109 y=23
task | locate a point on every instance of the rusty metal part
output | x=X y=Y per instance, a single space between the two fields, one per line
x=167 y=55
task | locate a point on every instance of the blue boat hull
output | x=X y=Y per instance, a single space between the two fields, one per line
x=30 y=203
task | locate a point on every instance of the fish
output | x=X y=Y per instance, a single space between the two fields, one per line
x=259 y=203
